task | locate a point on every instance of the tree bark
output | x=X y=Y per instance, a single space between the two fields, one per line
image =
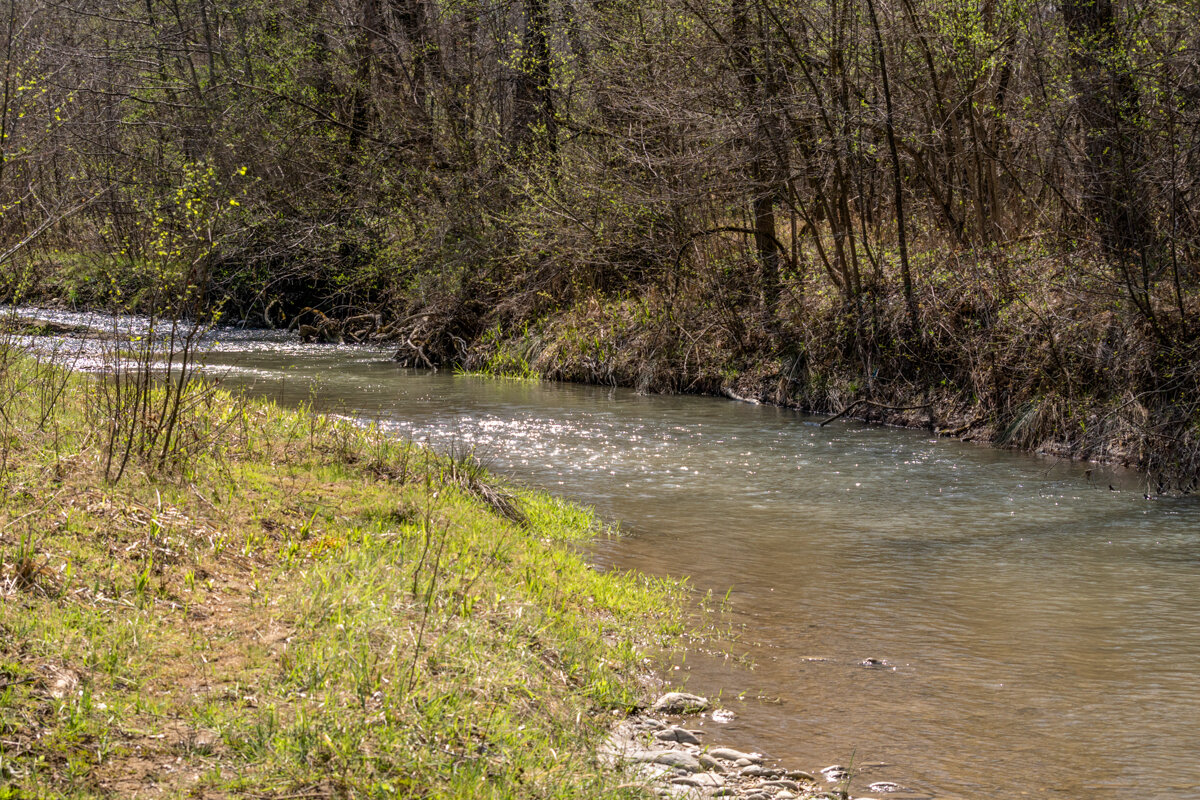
x=1107 y=103
x=897 y=182
x=534 y=123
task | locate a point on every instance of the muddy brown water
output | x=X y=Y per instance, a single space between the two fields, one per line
x=1040 y=632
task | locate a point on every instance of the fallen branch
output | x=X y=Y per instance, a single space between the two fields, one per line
x=961 y=429
x=872 y=403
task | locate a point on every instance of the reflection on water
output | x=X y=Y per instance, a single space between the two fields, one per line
x=1041 y=633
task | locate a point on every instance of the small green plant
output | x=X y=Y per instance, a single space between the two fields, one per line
x=141 y=584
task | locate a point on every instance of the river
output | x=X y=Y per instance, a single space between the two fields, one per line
x=1038 y=624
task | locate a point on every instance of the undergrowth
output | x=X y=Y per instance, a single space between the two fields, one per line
x=1022 y=350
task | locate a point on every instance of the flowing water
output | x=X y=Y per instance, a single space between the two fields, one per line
x=1039 y=630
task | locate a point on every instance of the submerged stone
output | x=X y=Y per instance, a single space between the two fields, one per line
x=835 y=773
x=885 y=786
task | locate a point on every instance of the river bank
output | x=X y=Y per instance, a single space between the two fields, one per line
x=1061 y=366
x=1035 y=366
x=301 y=606
x=987 y=579
x=675 y=761
x=292 y=605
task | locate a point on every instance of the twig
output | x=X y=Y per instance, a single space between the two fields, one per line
x=858 y=403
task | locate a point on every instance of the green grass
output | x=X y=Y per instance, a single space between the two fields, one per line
x=298 y=608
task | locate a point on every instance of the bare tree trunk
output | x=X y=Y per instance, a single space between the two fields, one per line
x=762 y=200
x=534 y=120
x=361 y=93
x=1107 y=102
x=897 y=182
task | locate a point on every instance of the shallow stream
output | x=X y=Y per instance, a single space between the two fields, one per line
x=1039 y=630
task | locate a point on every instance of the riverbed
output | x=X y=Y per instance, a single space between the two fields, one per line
x=963 y=621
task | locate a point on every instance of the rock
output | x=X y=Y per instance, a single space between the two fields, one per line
x=670 y=758
x=783 y=784
x=758 y=796
x=724 y=791
x=709 y=763
x=658 y=773
x=729 y=754
x=680 y=703
x=621 y=742
x=786 y=795
x=676 y=734
x=800 y=775
x=202 y=743
x=885 y=786
x=703 y=780
x=758 y=771
x=835 y=773
x=723 y=716
x=64 y=683
x=743 y=762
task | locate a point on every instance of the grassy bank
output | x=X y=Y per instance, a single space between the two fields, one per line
x=291 y=606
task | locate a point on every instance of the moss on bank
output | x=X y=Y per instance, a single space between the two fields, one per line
x=301 y=608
